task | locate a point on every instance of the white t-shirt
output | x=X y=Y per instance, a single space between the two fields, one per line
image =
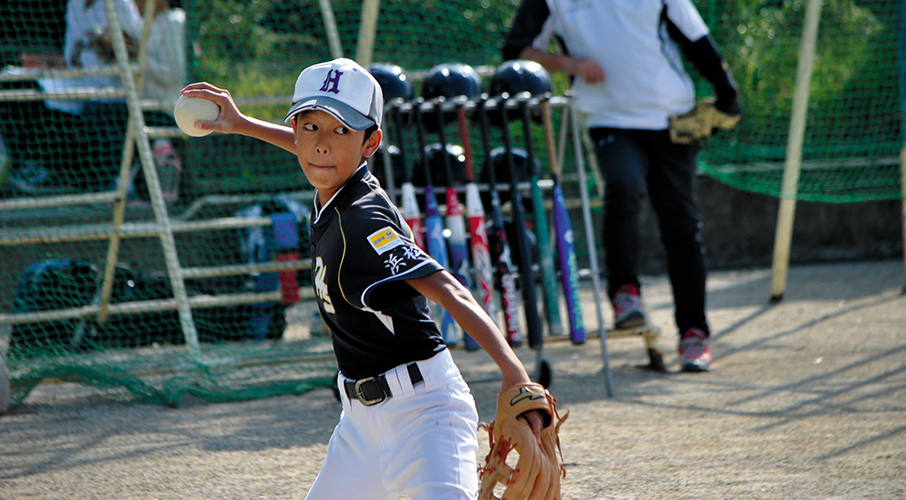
x=165 y=71
x=81 y=22
x=645 y=82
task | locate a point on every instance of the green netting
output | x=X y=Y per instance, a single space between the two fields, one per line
x=854 y=123
x=226 y=193
x=164 y=374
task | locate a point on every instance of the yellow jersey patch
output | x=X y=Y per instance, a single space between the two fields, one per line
x=384 y=240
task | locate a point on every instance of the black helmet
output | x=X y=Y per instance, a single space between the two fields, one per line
x=451 y=80
x=448 y=80
x=397 y=169
x=457 y=158
x=394 y=85
x=497 y=158
x=517 y=76
x=393 y=81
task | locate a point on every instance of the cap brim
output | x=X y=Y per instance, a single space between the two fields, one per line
x=341 y=111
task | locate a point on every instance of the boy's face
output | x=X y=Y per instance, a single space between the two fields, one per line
x=328 y=151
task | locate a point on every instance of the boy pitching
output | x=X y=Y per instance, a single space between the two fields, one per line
x=409 y=423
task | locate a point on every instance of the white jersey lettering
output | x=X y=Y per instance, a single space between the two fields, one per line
x=321 y=286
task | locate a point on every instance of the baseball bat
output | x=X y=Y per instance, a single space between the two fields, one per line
x=457 y=247
x=483 y=273
x=501 y=255
x=434 y=226
x=542 y=232
x=566 y=249
x=409 y=205
x=529 y=298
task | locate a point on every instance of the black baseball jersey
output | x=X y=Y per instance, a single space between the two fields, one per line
x=362 y=253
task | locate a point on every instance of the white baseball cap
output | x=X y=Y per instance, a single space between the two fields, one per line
x=342 y=88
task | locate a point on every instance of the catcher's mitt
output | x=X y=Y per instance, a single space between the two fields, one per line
x=698 y=124
x=537 y=473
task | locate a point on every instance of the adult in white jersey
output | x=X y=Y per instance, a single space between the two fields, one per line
x=628 y=78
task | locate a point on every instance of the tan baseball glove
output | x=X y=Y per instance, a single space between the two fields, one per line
x=537 y=472
x=698 y=124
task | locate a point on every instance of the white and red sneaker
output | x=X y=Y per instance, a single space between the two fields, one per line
x=695 y=351
x=627 y=308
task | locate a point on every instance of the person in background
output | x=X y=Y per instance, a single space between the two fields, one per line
x=629 y=80
x=89 y=44
x=165 y=66
x=63 y=145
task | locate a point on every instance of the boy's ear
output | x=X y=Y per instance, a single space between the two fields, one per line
x=373 y=143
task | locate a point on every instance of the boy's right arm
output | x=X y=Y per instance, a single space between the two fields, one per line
x=232 y=121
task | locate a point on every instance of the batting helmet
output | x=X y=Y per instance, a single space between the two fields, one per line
x=449 y=80
x=397 y=169
x=394 y=85
x=501 y=168
x=393 y=81
x=434 y=153
x=516 y=76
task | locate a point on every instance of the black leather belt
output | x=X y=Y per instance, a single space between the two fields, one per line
x=373 y=390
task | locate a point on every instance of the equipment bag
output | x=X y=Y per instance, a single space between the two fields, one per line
x=49 y=285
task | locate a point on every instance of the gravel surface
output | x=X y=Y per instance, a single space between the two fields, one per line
x=807 y=399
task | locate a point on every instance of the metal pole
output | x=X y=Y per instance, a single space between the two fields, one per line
x=901 y=59
x=367 y=29
x=592 y=249
x=157 y=199
x=122 y=187
x=903 y=188
x=330 y=25
x=784 y=233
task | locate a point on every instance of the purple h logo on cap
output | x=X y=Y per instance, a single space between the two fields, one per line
x=332 y=81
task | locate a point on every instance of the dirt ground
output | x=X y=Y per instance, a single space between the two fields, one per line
x=807 y=399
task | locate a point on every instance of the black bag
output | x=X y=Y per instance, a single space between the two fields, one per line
x=55 y=284
x=48 y=285
x=131 y=284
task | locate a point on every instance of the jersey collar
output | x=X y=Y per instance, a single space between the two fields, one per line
x=353 y=179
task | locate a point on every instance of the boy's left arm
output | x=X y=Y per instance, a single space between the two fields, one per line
x=442 y=288
x=520 y=402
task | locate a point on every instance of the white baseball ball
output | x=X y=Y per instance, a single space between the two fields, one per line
x=188 y=110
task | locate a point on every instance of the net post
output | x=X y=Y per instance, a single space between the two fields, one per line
x=903 y=204
x=137 y=125
x=330 y=26
x=592 y=248
x=901 y=59
x=784 y=233
x=367 y=28
x=122 y=187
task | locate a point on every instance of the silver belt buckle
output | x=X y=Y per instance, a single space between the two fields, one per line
x=361 y=396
